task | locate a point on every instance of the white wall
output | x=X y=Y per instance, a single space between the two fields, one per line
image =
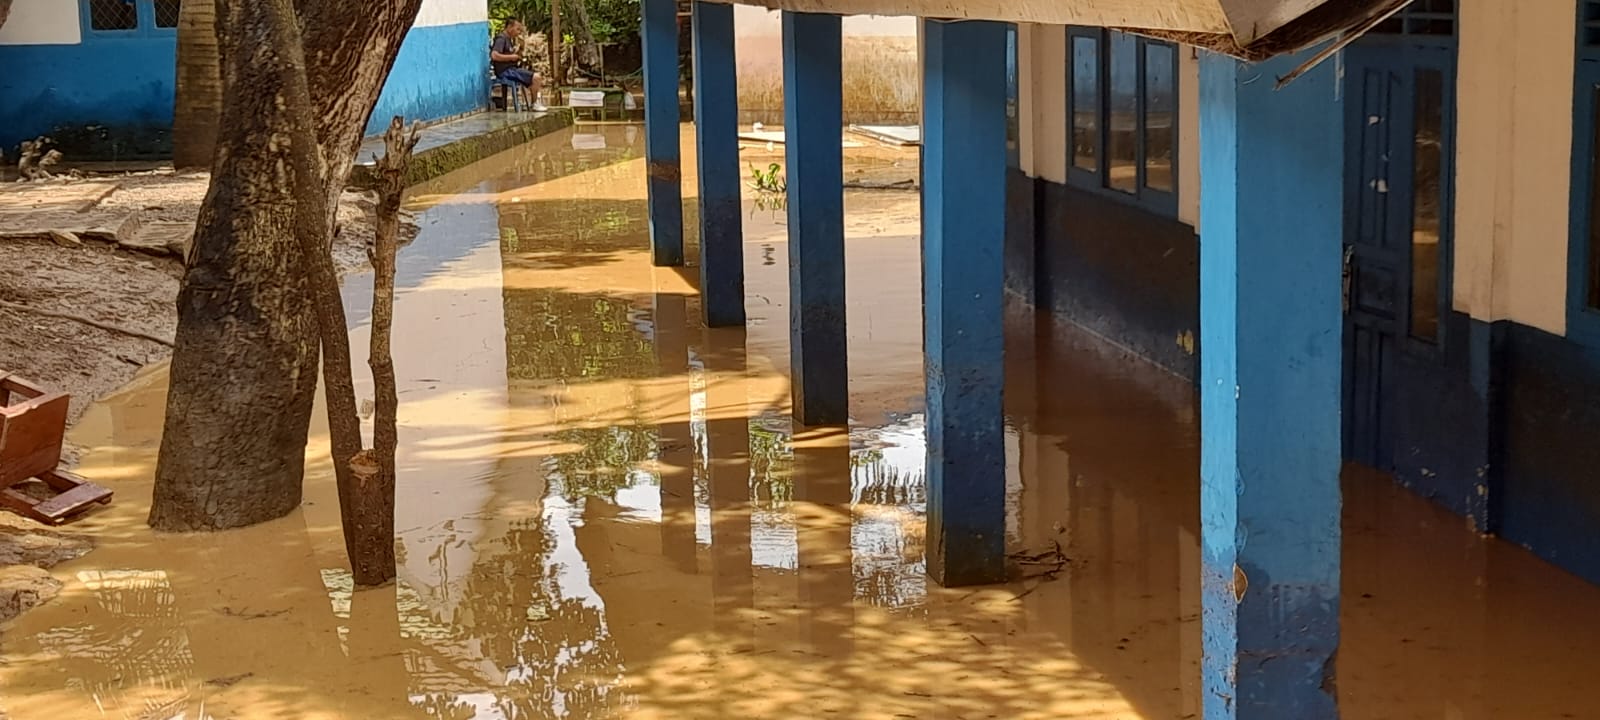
x=1189 y=135
x=452 y=12
x=1513 y=155
x=1047 y=93
x=42 y=22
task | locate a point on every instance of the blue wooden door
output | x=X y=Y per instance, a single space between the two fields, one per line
x=1399 y=100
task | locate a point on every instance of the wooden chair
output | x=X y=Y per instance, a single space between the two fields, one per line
x=33 y=426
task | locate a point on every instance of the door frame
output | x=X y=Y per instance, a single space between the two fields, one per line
x=1400 y=54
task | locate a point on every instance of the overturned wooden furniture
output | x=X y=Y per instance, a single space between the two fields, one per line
x=33 y=425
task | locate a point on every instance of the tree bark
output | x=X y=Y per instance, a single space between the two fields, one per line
x=373 y=497
x=198 y=106
x=243 y=374
x=322 y=281
x=588 y=50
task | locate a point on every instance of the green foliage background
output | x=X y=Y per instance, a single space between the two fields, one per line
x=611 y=21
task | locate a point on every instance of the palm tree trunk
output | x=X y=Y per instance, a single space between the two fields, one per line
x=199 y=86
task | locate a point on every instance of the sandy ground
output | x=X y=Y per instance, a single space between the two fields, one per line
x=92 y=269
x=122 y=272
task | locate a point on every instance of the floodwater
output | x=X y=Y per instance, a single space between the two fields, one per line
x=604 y=511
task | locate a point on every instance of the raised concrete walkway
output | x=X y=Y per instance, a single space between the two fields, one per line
x=457 y=143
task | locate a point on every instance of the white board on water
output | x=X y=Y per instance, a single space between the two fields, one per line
x=897 y=134
x=776 y=137
x=588 y=141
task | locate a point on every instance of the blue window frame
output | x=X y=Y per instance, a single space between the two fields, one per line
x=1013 y=132
x=110 y=19
x=1122 y=95
x=1583 y=252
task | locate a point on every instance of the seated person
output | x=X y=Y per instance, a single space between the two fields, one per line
x=503 y=58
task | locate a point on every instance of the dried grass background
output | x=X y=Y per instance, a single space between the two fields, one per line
x=880 y=80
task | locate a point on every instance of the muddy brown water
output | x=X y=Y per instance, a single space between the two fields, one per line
x=604 y=511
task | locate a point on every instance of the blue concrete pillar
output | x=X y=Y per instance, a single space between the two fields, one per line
x=663 y=161
x=963 y=260
x=1271 y=164
x=813 y=118
x=716 y=120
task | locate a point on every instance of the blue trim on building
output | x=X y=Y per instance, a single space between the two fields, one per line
x=1549 y=498
x=1270 y=498
x=1583 y=323
x=658 y=37
x=442 y=70
x=146 y=24
x=813 y=115
x=716 y=120
x=111 y=96
x=103 y=98
x=963 y=261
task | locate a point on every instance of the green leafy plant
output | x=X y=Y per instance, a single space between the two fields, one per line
x=770 y=180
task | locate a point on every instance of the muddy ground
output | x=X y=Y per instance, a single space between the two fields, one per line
x=92 y=270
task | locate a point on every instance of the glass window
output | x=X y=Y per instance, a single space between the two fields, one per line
x=167 y=13
x=1427 y=198
x=1160 y=115
x=1012 y=127
x=113 y=15
x=1123 y=92
x=1085 y=103
x=1122 y=158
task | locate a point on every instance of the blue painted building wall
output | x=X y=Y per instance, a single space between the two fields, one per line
x=114 y=96
x=1498 y=422
x=442 y=70
x=110 y=95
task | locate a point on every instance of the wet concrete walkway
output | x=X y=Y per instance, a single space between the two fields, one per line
x=605 y=512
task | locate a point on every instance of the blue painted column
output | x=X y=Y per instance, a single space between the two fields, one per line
x=963 y=251
x=813 y=119
x=663 y=161
x=1270 y=319
x=716 y=119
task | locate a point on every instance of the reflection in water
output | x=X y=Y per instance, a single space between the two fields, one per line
x=605 y=511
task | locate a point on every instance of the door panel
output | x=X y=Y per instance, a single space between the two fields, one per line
x=1395 y=236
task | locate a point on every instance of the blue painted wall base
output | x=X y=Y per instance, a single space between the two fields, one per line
x=963 y=256
x=1270 y=308
x=442 y=70
x=716 y=119
x=814 y=120
x=111 y=98
x=663 y=160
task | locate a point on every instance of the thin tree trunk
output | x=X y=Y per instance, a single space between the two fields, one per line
x=198 y=106
x=243 y=373
x=373 y=497
x=311 y=227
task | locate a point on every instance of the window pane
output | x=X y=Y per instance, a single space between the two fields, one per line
x=1085 y=103
x=113 y=15
x=1426 y=203
x=1593 y=295
x=1160 y=114
x=167 y=13
x=1122 y=166
x=1012 y=128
